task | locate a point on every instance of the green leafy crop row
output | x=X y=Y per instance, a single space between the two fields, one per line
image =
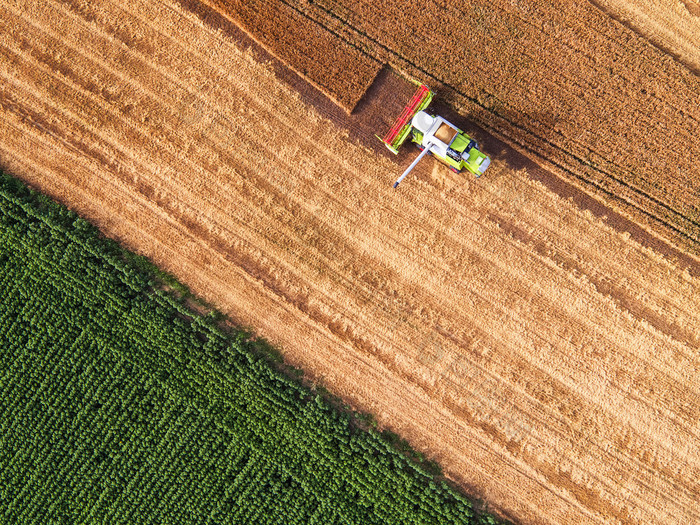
x=117 y=408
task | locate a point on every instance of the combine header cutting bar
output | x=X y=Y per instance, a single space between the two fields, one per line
x=401 y=128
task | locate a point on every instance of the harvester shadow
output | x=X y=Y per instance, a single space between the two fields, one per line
x=488 y=143
x=516 y=161
x=495 y=148
x=557 y=184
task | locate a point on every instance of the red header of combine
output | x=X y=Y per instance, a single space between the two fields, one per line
x=399 y=131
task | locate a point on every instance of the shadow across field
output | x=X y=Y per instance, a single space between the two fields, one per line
x=517 y=161
x=384 y=101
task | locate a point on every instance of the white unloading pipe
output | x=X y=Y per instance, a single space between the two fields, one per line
x=413 y=164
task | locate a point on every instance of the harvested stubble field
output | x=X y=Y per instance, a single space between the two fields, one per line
x=547 y=360
x=603 y=106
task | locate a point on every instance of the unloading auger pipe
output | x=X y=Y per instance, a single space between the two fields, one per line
x=413 y=164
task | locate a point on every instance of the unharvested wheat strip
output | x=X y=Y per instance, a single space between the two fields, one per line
x=591 y=43
x=343 y=72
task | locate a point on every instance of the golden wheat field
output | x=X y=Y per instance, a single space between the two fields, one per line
x=602 y=93
x=545 y=354
x=672 y=25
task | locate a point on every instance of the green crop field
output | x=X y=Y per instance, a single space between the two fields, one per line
x=120 y=405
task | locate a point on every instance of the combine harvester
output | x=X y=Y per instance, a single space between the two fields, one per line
x=434 y=135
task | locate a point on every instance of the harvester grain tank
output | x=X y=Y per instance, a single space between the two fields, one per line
x=434 y=135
